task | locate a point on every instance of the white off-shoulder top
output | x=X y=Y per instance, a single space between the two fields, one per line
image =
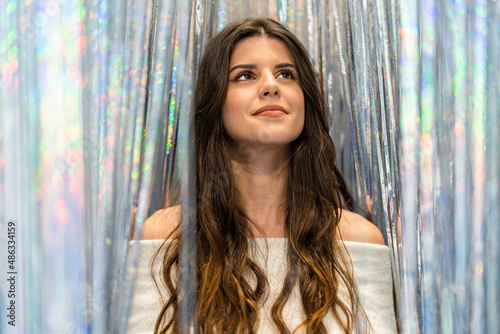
x=372 y=273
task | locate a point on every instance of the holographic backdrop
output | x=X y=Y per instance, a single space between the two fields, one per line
x=96 y=132
x=450 y=166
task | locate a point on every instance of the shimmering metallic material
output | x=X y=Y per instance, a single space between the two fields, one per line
x=449 y=123
x=96 y=133
x=72 y=122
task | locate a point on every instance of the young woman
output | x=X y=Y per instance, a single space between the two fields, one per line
x=278 y=249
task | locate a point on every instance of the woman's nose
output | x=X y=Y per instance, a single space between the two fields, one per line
x=270 y=87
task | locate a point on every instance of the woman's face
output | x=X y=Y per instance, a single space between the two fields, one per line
x=264 y=102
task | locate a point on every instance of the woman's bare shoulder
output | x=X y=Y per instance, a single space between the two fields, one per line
x=162 y=223
x=354 y=227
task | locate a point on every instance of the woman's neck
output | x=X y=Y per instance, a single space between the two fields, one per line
x=261 y=174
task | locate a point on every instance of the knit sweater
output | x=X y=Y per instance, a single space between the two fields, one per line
x=372 y=273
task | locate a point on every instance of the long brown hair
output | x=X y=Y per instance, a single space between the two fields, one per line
x=227 y=303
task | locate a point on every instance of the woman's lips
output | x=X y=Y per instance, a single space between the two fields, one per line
x=271 y=111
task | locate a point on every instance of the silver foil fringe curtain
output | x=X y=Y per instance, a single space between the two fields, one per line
x=96 y=127
x=450 y=167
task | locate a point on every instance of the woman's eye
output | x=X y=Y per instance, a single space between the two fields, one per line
x=243 y=76
x=286 y=75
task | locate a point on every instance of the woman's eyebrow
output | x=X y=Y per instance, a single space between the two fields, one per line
x=245 y=66
x=284 y=65
x=253 y=66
